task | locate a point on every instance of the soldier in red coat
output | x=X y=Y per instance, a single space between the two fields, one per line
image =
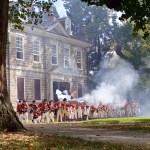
x=24 y=111
x=43 y=107
x=51 y=111
x=92 y=111
x=19 y=109
x=80 y=112
x=33 y=107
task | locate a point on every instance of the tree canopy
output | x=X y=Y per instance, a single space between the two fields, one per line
x=28 y=11
x=136 y=11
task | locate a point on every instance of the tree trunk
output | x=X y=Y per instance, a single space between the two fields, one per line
x=121 y=55
x=8 y=118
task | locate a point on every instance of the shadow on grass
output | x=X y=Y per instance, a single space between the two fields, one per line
x=32 y=141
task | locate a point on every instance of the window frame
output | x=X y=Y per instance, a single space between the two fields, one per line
x=65 y=57
x=20 y=36
x=39 y=44
x=78 y=59
x=54 y=44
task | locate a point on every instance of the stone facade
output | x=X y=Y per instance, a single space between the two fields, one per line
x=53 y=63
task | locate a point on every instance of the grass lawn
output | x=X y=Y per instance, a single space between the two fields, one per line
x=128 y=123
x=31 y=141
x=126 y=120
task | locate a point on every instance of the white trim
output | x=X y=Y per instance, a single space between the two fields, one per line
x=60 y=27
x=21 y=36
x=24 y=68
x=69 y=40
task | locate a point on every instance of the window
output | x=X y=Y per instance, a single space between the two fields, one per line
x=19 y=47
x=37 y=89
x=36 y=51
x=54 y=54
x=80 y=90
x=66 y=57
x=79 y=59
x=20 y=88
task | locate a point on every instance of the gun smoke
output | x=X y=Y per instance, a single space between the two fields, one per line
x=114 y=85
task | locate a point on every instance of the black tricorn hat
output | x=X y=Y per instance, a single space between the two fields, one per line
x=33 y=101
x=45 y=100
x=64 y=99
x=20 y=100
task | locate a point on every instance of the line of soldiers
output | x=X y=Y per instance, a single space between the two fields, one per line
x=62 y=111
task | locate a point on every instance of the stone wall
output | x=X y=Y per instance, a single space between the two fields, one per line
x=44 y=70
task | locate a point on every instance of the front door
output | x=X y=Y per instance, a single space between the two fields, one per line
x=62 y=86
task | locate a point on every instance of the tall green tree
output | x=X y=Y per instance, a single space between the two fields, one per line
x=97 y=25
x=94 y=24
x=136 y=50
x=8 y=118
x=137 y=11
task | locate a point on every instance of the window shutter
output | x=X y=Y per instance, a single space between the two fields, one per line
x=20 y=88
x=80 y=94
x=37 y=89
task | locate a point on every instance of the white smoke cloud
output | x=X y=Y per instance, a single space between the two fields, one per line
x=60 y=8
x=62 y=95
x=114 y=85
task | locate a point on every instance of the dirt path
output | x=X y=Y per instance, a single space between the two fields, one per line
x=105 y=135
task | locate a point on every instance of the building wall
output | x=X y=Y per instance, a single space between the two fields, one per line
x=44 y=70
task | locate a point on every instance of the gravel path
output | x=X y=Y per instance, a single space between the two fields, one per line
x=105 y=135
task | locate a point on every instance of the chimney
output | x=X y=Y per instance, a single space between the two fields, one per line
x=68 y=25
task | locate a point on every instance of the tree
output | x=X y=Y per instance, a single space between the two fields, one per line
x=18 y=13
x=137 y=11
x=8 y=118
x=96 y=24
x=135 y=50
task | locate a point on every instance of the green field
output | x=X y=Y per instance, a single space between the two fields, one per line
x=128 y=123
x=127 y=120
